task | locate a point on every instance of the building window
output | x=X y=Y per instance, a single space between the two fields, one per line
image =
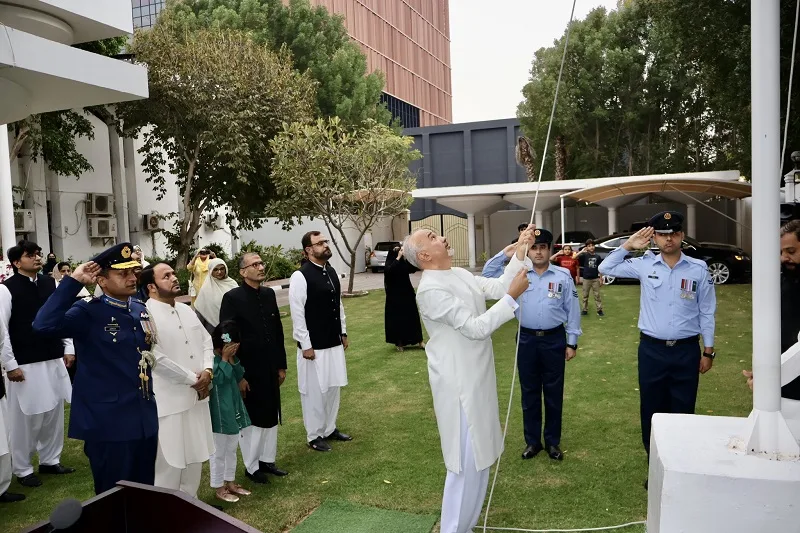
x=407 y=114
x=145 y=12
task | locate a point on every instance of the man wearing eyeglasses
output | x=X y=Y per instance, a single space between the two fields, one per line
x=319 y=328
x=263 y=356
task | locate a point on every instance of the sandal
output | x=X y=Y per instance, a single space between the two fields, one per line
x=399 y=348
x=235 y=488
x=225 y=495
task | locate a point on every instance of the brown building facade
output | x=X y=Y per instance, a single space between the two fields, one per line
x=408 y=40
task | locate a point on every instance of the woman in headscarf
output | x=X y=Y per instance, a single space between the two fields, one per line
x=198 y=267
x=50 y=264
x=209 y=298
x=401 y=315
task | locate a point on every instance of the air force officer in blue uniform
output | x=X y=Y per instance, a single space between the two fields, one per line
x=548 y=304
x=677 y=306
x=113 y=407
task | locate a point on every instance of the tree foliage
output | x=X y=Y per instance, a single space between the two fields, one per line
x=216 y=99
x=349 y=178
x=318 y=43
x=656 y=86
x=53 y=135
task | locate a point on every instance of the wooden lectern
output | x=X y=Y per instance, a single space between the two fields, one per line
x=133 y=508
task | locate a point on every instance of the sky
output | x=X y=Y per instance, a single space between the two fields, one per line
x=492 y=48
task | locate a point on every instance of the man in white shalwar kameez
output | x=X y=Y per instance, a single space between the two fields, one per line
x=181 y=379
x=452 y=303
x=36 y=369
x=318 y=326
x=5 y=449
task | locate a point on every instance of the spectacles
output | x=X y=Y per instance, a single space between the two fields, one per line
x=257 y=264
x=320 y=243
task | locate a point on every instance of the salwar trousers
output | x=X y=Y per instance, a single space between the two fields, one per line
x=258 y=444
x=463 y=492
x=222 y=462
x=183 y=479
x=41 y=433
x=320 y=409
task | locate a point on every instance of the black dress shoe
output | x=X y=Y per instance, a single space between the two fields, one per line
x=55 y=469
x=319 y=445
x=258 y=477
x=338 y=435
x=10 y=497
x=645 y=484
x=555 y=453
x=270 y=468
x=30 y=481
x=531 y=450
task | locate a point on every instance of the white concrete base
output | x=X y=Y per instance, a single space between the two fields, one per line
x=702 y=481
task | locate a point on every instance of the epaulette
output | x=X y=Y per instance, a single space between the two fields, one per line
x=136 y=300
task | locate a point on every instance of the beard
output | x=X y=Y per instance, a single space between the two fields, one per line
x=324 y=255
x=792 y=271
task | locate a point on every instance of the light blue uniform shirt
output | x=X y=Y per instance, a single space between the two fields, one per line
x=495 y=266
x=539 y=311
x=675 y=303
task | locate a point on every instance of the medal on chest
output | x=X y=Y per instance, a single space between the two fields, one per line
x=688 y=289
x=147 y=327
x=554 y=290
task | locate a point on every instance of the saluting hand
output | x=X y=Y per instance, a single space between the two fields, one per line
x=510 y=249
x=86 y=273
x=639 y=240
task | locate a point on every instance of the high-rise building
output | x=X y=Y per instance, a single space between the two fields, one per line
x=408 y=40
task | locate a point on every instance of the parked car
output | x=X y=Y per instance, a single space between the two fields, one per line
x=377 y=259
x=574 y=239
x=726 y=263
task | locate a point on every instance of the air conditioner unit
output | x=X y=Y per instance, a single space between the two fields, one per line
x=99 y=204
x=101 y=228
x=23 y=220
x=213 y=221
x=152 y=222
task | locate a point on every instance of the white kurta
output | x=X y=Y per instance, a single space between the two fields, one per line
x=46 y=382
x=328 y=364
x=452 y=304
x=183 y=349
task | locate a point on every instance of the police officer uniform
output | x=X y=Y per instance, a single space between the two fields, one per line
x=677 y=305
x=113 y=406
x=549 y=302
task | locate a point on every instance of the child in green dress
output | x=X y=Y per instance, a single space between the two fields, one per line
x=228 y=413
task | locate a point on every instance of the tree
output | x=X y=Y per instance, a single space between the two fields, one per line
x=317 y=40
x=53 y=135
x=349 y=178
x=216 y=99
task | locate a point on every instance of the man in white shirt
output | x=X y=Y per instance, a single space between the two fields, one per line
x=318 y=326
x=36 y=368
x=452 y=303
x=181 y=380
x=5 y=450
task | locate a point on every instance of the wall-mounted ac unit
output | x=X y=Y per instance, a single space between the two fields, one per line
x=152 y=222
x=99 y=204
x=101 y=228
x=23 y=220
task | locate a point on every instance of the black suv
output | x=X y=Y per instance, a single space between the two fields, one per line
x=726 y=263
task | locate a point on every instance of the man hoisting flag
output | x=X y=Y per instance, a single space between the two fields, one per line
x=452 y=303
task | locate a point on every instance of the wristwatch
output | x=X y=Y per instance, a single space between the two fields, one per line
x=573 y=346
x=711 y=355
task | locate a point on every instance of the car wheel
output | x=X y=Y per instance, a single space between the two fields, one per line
x=720 y=272
x=609 y=280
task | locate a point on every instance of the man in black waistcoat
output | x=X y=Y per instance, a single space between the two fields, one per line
x=319 y=328
x=263 y=356
x=36 y=368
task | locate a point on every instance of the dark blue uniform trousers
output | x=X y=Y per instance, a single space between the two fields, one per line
x=668 y=379
x=541 y=372
x=128 y=460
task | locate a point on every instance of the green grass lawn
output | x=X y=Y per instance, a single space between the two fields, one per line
x=395 y=462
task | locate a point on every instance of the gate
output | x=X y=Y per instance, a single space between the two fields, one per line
x=454 y=229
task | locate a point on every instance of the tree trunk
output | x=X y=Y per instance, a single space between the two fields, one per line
x=352 y=271
x=561 y=158
x=188 y=230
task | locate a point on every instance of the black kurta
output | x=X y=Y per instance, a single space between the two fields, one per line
x=401 y=316
x=261 y=351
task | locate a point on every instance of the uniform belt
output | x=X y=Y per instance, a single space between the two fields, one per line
x=688 y=340
x=542 y=332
